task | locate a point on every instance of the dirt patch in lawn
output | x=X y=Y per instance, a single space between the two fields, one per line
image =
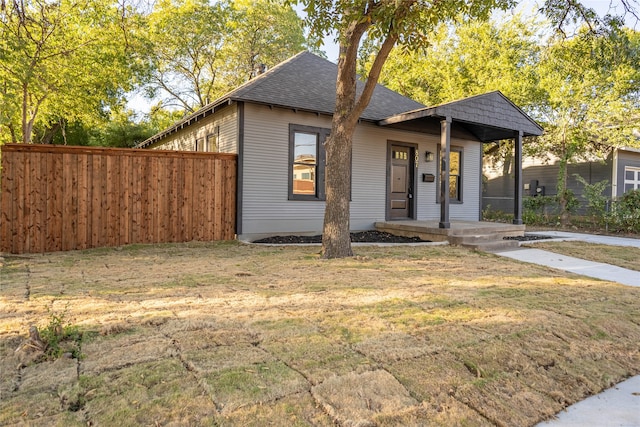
x=622 y=256
x=232 y=334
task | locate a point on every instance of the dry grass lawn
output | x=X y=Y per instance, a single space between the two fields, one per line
x=227 y=334
x=622 y=256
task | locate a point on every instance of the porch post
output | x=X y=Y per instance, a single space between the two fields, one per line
x=445 y=148
x=517 y=194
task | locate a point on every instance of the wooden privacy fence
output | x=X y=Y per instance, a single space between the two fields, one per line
x=63 y=198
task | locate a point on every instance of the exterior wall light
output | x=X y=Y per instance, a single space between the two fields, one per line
x=428 y=156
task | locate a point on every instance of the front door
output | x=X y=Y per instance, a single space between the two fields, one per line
x=400 y=179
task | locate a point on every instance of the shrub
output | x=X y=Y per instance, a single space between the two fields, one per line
x=625 y=215
x=596 y=200
x=537 y=209
x=572 y=201
x=489 y=214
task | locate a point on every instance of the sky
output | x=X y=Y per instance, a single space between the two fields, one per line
x=141 y=105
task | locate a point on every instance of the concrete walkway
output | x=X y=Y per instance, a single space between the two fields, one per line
x=593 y=238
x=619 y=405
x=575 y=265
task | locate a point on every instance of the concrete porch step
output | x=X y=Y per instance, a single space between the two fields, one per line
x=493 y=245
x=479 y=235
x=484 y=242
x=505 y=230
x=465 y=239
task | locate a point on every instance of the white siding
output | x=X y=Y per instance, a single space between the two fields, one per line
x=265 y=165
x=266 y=209
x=227 y=119
x=185 y=139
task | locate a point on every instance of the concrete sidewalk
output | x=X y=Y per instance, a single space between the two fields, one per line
x=592 y=238
x=575 y=265
x=619 y=405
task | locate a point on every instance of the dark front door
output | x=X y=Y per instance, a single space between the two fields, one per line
x=399 y=182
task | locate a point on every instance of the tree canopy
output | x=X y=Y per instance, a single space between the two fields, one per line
x=473 y=57
x=61 y=62
x=591 y=103
x=67 y=66
x=199 y=50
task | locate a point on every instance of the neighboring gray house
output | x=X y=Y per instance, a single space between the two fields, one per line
x=277 y=122
x=540 y=177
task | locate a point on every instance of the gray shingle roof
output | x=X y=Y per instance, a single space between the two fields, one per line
x=304 y=82
x=308 y=82
x=489 y=116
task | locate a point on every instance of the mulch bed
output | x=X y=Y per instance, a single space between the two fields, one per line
x=528 y=237
x=371 y=236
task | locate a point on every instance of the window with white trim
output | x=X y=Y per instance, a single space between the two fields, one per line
x=631 y=178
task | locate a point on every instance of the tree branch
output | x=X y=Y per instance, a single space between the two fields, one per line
x=374 y=75
x=379 y=61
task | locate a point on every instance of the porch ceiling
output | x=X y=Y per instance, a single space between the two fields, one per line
x=483 y=133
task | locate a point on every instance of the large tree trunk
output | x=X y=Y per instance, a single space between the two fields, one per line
x=336 y=239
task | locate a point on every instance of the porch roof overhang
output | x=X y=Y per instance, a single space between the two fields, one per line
x=488 y=117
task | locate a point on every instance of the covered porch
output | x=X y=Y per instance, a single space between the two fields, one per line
x=475 y=234
x=487 y=118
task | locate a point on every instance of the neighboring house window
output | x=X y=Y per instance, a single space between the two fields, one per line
x=200 y=144
x=631 y=178
x=306 y=162
x=455 y=175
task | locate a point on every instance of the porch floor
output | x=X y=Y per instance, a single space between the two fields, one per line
x=477 y=234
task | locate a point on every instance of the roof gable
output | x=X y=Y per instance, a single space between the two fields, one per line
x=487 y=116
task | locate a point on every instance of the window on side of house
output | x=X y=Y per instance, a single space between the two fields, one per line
x=212 y=143
x=631 y=178
x=455 y=174
x=306 y=162
x=200 y=144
